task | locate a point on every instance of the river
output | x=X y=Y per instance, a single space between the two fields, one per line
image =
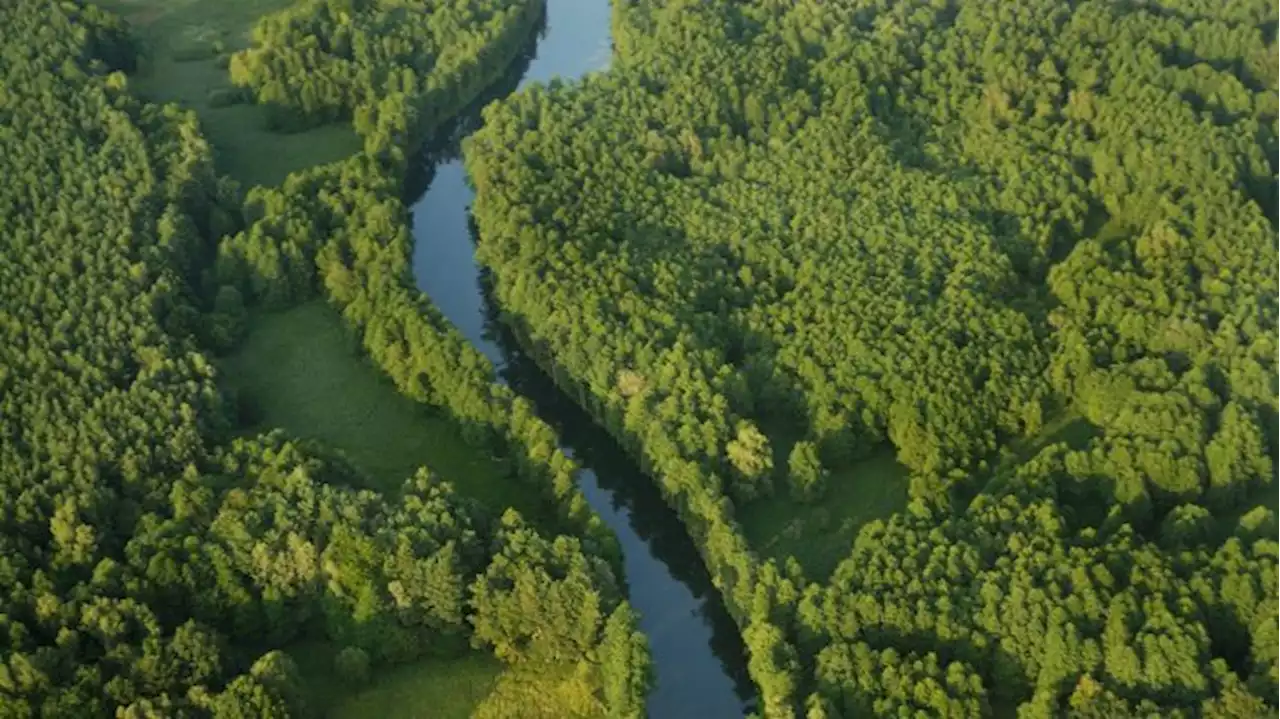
x=698 y=656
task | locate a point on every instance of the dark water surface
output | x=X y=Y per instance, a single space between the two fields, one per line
x=698 y=656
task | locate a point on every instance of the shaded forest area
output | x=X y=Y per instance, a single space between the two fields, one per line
x=154 y=562
x=1029 y=246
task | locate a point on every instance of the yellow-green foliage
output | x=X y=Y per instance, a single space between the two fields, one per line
x=138 y=515
x=548 y=694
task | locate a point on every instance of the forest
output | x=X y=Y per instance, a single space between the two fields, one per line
x=990 y=286
x=1027 y=247
x=159 y=557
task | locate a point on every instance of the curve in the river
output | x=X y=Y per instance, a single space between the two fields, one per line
x=697 y=653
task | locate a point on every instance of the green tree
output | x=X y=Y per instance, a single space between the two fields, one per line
x=749 y=455
x=805 y=472
x=352 y=665
x=625 y=665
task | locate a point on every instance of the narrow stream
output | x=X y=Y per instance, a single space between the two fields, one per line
x=698 y=656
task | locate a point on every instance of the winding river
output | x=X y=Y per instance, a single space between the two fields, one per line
x=698 y=657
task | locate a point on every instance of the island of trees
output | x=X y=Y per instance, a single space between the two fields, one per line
x=1026 y=247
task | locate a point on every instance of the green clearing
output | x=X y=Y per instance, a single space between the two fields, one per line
x=475 y=685
x=819 y=535
x=429 y=688
x=306 y=376
x=1067 y=428
x=181 y=39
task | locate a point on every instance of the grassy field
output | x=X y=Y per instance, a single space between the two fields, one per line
x=306 y=377
x=183 y=39
x=476 y=685
x=545 y=693
x=820 y=535
x=427 y=689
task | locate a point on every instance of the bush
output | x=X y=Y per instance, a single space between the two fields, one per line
x=1256 y=524
x=277 y=671
x=352 y=666
x=749 y=455
x=1186 y=525
x=227 y=322
x=808 y=478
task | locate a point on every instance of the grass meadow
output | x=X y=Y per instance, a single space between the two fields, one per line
x=183 y=41
x=426 y=689
x=305 y=375
x=820 y=534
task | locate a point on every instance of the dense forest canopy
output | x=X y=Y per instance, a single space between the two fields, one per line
x=777 y=236
x=774 y=239
x=155 y=559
